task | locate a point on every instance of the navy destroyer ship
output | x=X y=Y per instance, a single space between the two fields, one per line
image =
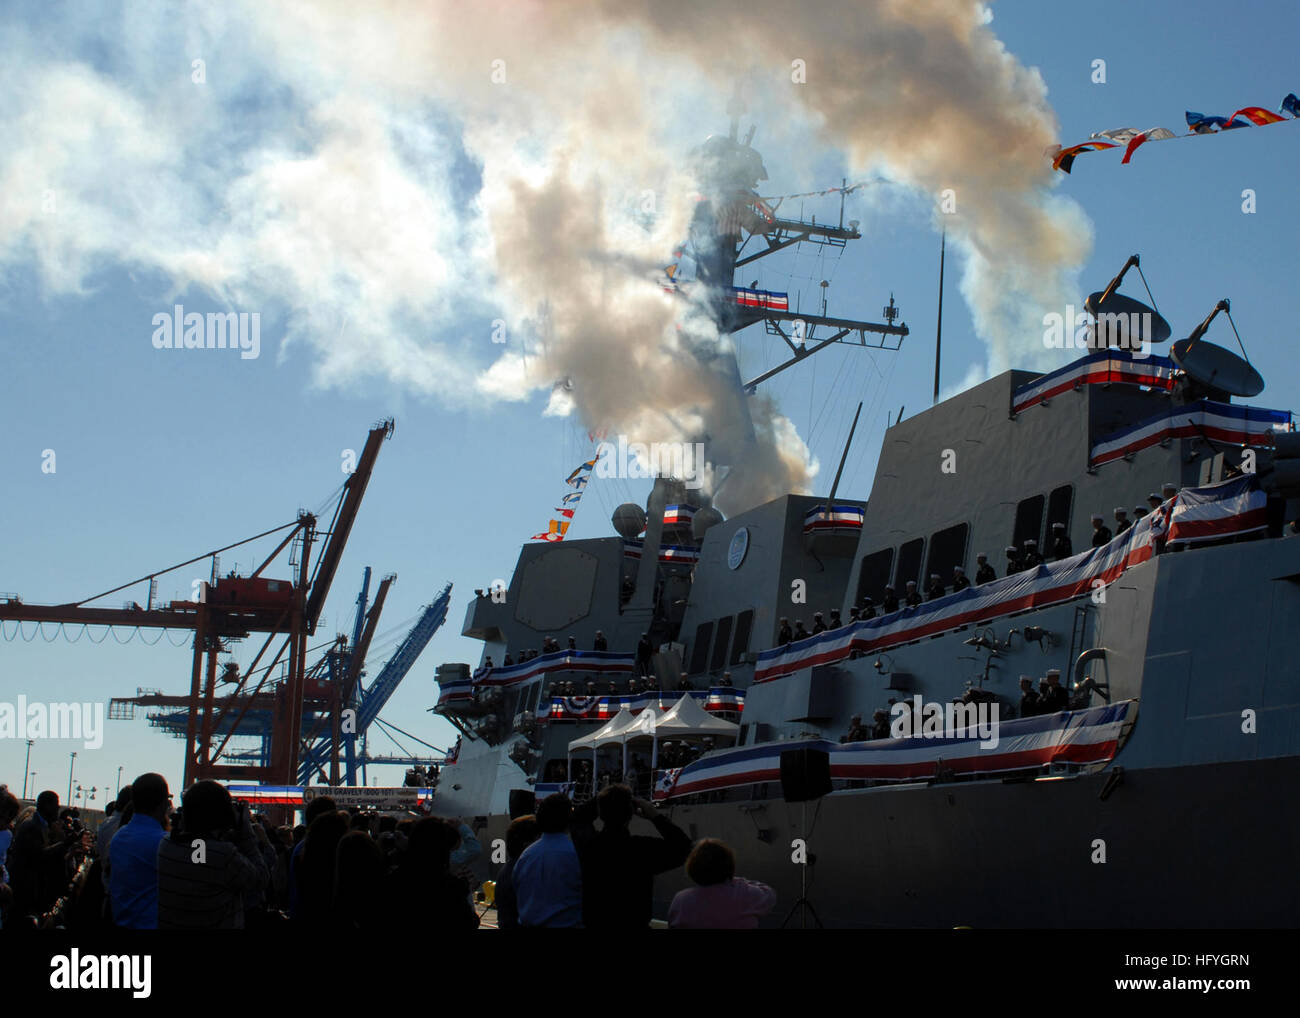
x=1154 y=788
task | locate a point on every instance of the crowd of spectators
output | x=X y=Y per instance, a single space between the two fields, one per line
x=214 y=863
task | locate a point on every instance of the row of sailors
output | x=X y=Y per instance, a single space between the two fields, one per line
x=1049 y=698
x=1018 y=560
x=1101 y=534
x=549 y=646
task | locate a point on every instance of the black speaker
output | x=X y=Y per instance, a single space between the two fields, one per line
x=522 y=803
x=805 y=774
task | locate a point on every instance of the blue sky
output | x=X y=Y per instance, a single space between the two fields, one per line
x=163 y=455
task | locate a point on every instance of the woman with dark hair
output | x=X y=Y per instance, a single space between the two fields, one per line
x=721 y=901
x=358 y=883
x=421 y=894
x=315 y=871
x=208 y=863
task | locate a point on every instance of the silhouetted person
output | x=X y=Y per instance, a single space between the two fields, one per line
x=785 y=634
x=1030 y=559
x=858 y=732
x=37 y=860
x=521 y=833
x=936 y=589
x=1061 y=546
x=422 y=895
x=720 y=900
x=643 y=651
x=880 y=724
x=600 y=643
x=984 y=572
x=799 y=632
x=1056 y=698
x=206 y=891
x=889 y=602
x=618 y=867
x=133 y=855
x=1100 y=532
x=1030 y=703
x=547 y=876
x=818 y=625
x=1013 y=560
x=315 y=870
x=359 y=869
x=959 y=581
x=912 y=597
x=1122 y=522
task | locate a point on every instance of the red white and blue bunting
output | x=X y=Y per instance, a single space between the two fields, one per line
x=1100 y=368
x=590 y=662
x=1218 y=422
x=1082 y=737
x=841 y=519
x=1216 y=511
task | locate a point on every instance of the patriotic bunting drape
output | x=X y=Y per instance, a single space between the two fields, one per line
x=1217 y=422
x=1090 y=736
x=1100 y=368
x=1215 y=511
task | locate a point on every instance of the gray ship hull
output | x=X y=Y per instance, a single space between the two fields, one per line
x=1194 y=847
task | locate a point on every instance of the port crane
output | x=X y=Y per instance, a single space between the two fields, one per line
x=230 y=608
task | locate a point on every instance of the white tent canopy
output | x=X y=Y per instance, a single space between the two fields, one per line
x=646 y=725
x=687 y=718
x=611 y=731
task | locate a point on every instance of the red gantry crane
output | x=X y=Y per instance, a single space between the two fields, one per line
x=233 y=608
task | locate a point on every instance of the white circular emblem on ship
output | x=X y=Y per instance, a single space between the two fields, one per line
x=739 y=545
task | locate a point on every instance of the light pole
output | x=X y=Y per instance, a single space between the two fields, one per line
x=119 y=778
x=71 y=765
x=26 y=763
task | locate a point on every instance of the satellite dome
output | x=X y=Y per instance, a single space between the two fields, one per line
x=628 y=520
x=704 y=519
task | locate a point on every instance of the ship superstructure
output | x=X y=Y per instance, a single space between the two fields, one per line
x=1141 y=800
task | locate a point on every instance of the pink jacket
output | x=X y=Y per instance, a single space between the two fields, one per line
x=734 y=905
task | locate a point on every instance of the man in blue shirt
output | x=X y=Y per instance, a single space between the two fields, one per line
x=548 y=876
x=133 y=856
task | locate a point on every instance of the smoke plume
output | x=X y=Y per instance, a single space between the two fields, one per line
x=527 y=161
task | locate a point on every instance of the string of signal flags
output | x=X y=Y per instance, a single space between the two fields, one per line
x=1131 y=139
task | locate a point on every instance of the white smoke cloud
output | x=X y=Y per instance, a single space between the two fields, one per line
x=393 y=177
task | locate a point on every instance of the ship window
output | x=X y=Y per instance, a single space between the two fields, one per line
x=1058 y=507
x=909 y=564
x=700 y=649
x=720 y=644
x=875 y=574
x=740 y=645
x=947 y=549
x=1029 y=521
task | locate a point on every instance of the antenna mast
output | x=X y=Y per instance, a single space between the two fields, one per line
x=938 y=327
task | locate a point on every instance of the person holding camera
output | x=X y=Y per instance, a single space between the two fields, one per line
x=209 y=862
x=39 y=855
